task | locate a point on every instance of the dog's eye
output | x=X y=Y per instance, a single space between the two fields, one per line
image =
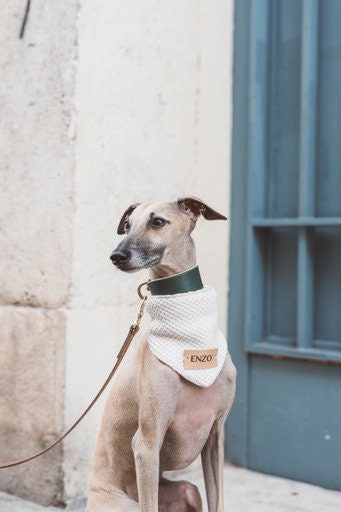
x=126 y=226
x=158 y=222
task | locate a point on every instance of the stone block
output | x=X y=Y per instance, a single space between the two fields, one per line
x=37 y=147
x=31 y=400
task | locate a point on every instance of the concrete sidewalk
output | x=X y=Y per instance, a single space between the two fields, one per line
x=245 y=491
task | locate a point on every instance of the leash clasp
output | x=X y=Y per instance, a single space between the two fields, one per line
x=136 y=325
x=139 y=292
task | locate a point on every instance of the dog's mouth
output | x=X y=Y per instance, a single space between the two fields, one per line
x=135 y=267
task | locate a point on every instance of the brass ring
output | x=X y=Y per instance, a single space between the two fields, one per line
x=143 y=297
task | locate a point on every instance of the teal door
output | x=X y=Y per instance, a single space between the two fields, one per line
x=285 y=262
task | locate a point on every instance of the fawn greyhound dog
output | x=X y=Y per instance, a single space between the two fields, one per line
x=156 y=420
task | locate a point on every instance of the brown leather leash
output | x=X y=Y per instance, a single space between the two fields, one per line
x=133 y=330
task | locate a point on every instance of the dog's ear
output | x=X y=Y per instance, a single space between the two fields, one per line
x=193 y=207
x=125 y=216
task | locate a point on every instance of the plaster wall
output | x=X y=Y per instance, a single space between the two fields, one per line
x=153 y=102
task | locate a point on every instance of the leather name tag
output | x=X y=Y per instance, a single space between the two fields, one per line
x=200 y=359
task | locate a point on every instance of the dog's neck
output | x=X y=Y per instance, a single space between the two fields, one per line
x=160 y=271
x=175 y=263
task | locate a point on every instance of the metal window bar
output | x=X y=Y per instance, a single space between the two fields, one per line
x=307 y=171
x=257 y=103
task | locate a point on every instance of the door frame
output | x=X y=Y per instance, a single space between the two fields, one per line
x=237 y=425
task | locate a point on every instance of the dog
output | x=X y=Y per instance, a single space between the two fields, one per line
x=156 y=420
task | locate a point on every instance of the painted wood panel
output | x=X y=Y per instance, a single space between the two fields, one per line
x=285 y=270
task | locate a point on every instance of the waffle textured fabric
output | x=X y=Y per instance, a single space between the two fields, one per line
x=186 y=321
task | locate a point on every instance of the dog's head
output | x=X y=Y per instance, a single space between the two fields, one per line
x=159 y=233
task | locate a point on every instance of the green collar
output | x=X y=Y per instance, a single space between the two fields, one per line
x=188 y=281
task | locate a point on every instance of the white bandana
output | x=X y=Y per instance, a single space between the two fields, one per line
x=188 y=322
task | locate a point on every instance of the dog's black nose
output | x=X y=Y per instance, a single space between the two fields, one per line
x=119 y=257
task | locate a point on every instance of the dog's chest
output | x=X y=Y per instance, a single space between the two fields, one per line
x=197 y=409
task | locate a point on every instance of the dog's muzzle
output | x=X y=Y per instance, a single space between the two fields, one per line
x=120 y=257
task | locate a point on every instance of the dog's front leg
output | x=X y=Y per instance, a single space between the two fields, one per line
x=212 y=457
x=158 y=391
x=146 y=453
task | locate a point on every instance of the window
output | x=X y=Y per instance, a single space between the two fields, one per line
x=294 y=180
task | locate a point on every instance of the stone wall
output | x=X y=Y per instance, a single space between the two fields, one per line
x=36 y=236
x=105 y=104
